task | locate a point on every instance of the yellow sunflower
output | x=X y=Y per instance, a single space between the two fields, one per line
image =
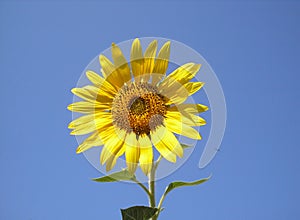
x=133 y=107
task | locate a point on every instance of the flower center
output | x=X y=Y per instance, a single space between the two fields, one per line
x=138 y=107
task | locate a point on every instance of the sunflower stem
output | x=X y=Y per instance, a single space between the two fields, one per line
x=151 y=183
x=157 y=162
x=152 y=187
x=160 y=204
x=151 y=176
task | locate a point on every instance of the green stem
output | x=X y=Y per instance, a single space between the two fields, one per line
x=160 y=204
x=151 y=177
x=157 y=162
x=152 y=187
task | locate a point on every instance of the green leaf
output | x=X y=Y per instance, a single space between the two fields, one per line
x=114 y=177
x=138 y=213
x=175 y=185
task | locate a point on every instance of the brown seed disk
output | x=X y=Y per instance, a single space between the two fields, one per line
x=138 y=107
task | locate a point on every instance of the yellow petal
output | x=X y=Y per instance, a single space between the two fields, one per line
x=92 y=141
x=120 y=63
x=198 y=120
x=178 y=116
x=107 y=66
x=103 y=73
x=185 y=73
x=100 y=82
x=161 y=63
x=173 y=90
x=149 y=59
x=112 y=146
x=178 y=127
x=186 y=118
x=189 y=108
x=88 y=107
x=93 y=94
x=88 y=123
x=113 y=149
x=81 y=120
x=132 y=152
x=193 y=87
x=101 y=92
x=111 y=161
x=171 y=142
x=94 y=78
x=110 y=72
x=99 y=117
x=84 y=129
x=165 y=147
x=85 y=93
x=146 y=154
x=178 y=96
x=103 y=121
x=107 y=131
x=136 y=58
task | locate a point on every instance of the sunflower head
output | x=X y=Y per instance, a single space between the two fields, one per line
x=138 y=108
x=133 y=108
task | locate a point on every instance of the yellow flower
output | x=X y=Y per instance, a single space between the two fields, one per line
x=135 y=106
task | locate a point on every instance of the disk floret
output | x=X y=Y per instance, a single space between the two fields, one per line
x=138 y=107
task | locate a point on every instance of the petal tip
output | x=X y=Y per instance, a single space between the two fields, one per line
x=74 y=90
x=198 y=137
x=136 y=40
x=180 y=153
x=70 y=107
x=78 y=150
x=71 y=125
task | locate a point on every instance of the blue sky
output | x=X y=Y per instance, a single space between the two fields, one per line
x=252 y=47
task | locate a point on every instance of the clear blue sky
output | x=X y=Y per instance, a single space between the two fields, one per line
x=254 y=50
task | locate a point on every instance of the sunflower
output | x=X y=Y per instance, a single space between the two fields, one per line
x=132 y=108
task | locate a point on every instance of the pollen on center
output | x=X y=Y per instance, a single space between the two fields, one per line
x=138 y=108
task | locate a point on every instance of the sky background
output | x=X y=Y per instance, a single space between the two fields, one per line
x=253 y=48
